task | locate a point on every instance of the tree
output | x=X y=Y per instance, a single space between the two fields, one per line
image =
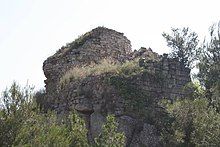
x=183 y=43
x=206 y=124
x=42 y=130
x=195 y=123
x=22 y=123
x=45 y=129
x=78 y=131
x=17 y=105
x=181 y=111
x=209 y=66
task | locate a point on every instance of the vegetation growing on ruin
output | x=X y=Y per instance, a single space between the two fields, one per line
x=105 y=66
x=123 y=78
x=74 y=45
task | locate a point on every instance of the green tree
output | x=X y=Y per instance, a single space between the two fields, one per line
x=17 y=105
x=183 y=43
x=42 y=130
x=209 y=66
x=182 y=126
x=195 y=123
x=206 y=124
x=22 y=123
x=77 y=131
x=47 y=130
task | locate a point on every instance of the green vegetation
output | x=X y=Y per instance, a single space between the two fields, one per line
x=195 y=123
x=183 y=43
x=22 y=123
x=196 y=118
x=209 y=66
x=109 y=135
x=43 y=130
x=17 y=103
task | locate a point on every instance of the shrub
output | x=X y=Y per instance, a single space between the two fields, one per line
x=77 y=131
x=42 y=130
x=195 y=123
x=209 y=66
x=22 y=124
x=17 y=105
x=206 y=125
x=46 y=130
x=109 y=136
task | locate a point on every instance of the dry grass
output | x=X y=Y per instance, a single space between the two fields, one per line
x=105 y=66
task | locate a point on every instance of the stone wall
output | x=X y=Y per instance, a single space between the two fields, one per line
x=171 y=77
x=89 y=48
x=93 y=98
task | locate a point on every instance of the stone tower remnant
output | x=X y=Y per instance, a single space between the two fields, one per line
x=94 y=99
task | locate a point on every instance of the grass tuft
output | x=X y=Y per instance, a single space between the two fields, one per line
x=105 y=66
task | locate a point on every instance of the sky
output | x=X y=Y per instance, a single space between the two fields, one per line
x=32 y=30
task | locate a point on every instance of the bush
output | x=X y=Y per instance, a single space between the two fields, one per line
x=17 y=105
x=22 y=124
x=206 y=125
x=195 y=123
x=42 y=130
x=46 y=130
x=109 y=136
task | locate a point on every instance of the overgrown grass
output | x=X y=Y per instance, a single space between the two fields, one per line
x=105 y=66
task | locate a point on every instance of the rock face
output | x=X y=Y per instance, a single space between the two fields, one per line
x=94 y=98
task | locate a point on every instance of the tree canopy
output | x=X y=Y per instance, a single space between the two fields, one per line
x=183 y=43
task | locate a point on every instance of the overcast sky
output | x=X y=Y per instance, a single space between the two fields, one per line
x=32 y=30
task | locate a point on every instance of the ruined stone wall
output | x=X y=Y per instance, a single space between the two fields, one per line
x=94 y=98
x=168 y=77
x=89 y=48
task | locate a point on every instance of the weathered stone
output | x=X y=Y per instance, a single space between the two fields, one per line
x=127 y=125
x=83 y=108
x=94 y=98
x=96 y=122
x=147 y=137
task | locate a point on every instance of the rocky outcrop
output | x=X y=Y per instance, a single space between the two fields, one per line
x=94 y=98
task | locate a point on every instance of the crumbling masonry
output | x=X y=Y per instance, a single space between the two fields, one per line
x=94 y=99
